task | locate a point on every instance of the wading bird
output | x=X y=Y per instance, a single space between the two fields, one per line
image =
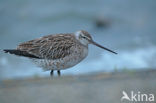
x=58 y=51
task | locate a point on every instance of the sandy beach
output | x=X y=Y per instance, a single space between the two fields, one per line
x=89 y=88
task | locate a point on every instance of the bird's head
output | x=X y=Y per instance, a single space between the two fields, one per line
x=85 y=38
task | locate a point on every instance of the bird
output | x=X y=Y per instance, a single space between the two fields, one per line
x=56 y=52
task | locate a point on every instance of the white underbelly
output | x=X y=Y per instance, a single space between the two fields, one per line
x=63 y=63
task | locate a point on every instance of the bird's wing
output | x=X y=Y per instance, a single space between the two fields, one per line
x=49 y=47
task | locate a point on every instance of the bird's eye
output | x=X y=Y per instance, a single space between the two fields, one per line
x=83 y=37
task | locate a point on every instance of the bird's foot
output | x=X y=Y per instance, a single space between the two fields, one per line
x=59 y=73
x=52 y=73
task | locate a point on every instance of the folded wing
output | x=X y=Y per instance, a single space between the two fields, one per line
x=49 y=47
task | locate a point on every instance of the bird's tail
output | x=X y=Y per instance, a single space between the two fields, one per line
x=14 y=51
x=19 y=53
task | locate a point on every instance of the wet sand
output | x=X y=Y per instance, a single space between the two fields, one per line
x=89 y=88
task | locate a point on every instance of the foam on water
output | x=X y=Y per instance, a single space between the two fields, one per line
x=136 y=59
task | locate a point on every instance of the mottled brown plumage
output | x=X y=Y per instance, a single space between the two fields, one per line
x=49 y=47
x=57 y=52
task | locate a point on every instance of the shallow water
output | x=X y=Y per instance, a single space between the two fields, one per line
x=130 y=31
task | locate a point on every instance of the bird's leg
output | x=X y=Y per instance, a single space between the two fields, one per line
x=51 y=73
x=59 y=73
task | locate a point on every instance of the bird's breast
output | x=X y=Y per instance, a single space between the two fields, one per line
x=77 y=54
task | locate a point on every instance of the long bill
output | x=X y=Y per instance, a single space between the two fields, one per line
x=102 y=47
